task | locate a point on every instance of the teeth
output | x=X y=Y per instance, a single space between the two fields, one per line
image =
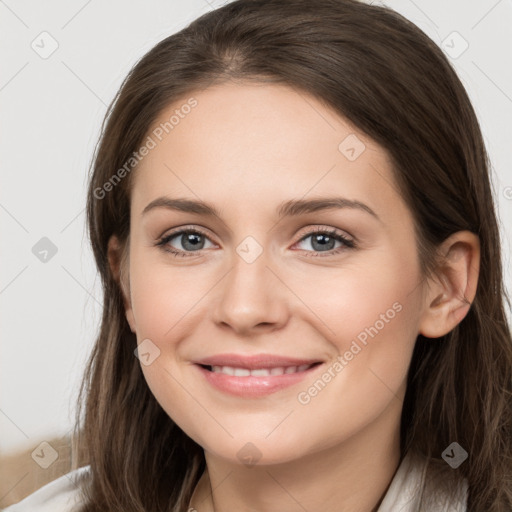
x=259 y=372
x=263 y=372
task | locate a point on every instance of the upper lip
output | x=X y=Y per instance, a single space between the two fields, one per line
x=254 y=361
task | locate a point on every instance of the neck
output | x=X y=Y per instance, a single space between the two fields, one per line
x=352 y=476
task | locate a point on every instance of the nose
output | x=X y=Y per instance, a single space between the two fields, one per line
x=251 y=298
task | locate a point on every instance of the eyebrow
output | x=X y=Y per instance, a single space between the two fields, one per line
x=291 y=208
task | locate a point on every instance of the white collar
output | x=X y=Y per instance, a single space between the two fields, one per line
x=405 y=492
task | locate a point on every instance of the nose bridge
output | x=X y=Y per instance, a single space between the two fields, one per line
x=251 y=294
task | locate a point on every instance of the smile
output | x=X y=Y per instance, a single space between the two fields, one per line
x=254 y=376
x=259 y=372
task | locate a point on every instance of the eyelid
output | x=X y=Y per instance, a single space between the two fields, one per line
x=323 y=229
x=167 y=235
x=186 y=227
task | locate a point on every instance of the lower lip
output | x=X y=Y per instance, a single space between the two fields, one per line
x=252 y=386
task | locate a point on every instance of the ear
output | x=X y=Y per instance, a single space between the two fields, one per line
x=118 y=265
x=452 y=291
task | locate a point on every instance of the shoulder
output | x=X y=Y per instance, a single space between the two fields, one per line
x=61 y=495
x=422 y=484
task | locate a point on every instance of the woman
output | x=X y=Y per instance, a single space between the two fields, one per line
x=339 y=340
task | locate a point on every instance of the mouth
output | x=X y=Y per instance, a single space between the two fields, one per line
x=258 y=372
x=254 y=376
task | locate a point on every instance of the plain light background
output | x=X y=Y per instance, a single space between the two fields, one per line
x=52 y=108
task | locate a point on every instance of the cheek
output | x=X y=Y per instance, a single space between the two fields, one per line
x=167 y=306
x=376 y=291
x=375 y=337
x=369 y=313
x=163 y=298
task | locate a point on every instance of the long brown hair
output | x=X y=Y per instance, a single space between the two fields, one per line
x=382 y=73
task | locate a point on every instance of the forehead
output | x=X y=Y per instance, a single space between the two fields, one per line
x=243 y=141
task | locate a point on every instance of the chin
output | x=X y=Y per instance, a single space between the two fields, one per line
x=249 y=447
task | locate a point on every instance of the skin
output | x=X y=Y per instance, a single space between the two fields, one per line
x=246 y=148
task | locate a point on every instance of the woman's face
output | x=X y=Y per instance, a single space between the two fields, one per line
x=268 y=287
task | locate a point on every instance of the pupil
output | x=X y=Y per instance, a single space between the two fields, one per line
x=189 y=239
x=326 y=240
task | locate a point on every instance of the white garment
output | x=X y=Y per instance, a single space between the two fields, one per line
x=406 y=489
x=61 y=495
x=403 y=495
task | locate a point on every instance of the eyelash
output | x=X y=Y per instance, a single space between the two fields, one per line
x=349 y=244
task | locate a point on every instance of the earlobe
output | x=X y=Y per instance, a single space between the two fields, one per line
x=116 y=263
x=451 y=293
